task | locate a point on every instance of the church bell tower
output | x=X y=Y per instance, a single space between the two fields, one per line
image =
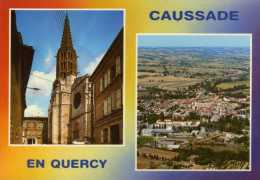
x=66 y=55
x=66 y=72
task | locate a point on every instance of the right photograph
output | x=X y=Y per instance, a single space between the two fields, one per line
x=193 y=102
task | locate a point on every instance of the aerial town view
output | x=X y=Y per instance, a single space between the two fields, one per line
x=193 y=108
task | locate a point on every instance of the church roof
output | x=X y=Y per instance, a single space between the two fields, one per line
x=82 y=77
x=79 y=80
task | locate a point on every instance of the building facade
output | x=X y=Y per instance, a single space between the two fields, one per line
x=21 y=62
x=81 y=111
x=107 y=95
x=35 y=130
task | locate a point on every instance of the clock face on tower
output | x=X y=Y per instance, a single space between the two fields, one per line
x=77 y=100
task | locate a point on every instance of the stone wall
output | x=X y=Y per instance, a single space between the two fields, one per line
x=80 y=120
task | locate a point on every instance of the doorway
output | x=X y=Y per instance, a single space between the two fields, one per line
x=114 y=134
x=31 y=141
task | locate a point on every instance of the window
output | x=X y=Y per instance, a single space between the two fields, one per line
x=113 y=96
x=118 y=98
x=77 y=100
x=108 y=77
x=118 y=66
x=101 y=85
x=113 y=72
x=109 y=104
x=105 y=80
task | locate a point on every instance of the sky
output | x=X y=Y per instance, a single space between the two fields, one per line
x=193 y=41
x=92 y=34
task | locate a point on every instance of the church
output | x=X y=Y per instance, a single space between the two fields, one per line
x=86 y=109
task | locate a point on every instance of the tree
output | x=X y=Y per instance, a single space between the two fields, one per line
x=142 y=140
x=152 y=118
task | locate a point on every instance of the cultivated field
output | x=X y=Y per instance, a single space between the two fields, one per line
x=167 y=82
x=229 y=85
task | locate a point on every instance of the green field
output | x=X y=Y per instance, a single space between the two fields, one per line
x=229 y=85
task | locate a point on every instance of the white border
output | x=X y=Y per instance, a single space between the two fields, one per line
x=250 y=121
x=124 y=62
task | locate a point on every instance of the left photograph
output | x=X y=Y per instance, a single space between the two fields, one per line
x=66 y=72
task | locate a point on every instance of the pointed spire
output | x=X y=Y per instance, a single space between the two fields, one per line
x=66 y=55
x=66 y=41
